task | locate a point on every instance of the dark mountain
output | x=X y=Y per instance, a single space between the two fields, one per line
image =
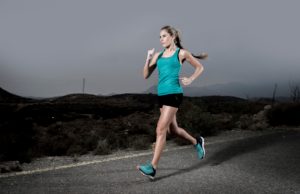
x=240 y=90
x=7 y=97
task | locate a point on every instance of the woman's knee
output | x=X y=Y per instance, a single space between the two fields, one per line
x=165 y=120
x=161 y=130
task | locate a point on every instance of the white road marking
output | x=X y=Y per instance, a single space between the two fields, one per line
x=109 y=159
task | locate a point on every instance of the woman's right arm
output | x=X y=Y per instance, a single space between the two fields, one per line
x=150 y=64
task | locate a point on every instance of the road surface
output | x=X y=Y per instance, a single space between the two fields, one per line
x=264 y=163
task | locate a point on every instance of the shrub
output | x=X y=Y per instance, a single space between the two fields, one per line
x=140 y=142
x=16 y=139
x=284 y=114
x=102 y=148
x=193 y=119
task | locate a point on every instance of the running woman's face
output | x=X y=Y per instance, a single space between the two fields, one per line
x=166 y=39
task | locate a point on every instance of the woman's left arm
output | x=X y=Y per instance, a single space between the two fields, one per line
x=196 y=64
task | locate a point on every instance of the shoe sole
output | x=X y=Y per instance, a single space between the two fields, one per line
x=148 y=176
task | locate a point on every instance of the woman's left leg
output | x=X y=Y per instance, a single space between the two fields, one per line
x=166 y=115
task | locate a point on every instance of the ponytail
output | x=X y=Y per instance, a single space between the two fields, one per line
x=173 y=32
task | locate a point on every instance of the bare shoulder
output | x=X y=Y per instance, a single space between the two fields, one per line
x=184 y=52
x=155 y=56
x=154 y=59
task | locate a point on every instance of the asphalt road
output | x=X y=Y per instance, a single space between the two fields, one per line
x=268 y=163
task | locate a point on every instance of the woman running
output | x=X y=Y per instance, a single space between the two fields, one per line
x=170 y=92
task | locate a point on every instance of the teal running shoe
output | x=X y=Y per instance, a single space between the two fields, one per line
x=200 y=147
x=147 y=170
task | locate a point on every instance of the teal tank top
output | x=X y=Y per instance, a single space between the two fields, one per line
x=168 y=74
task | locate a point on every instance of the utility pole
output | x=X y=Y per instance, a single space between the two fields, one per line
x=83 y=85
x=274 y=94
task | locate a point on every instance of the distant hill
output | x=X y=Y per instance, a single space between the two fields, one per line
x=7 y=97
x=240 y=90
x=75 y=98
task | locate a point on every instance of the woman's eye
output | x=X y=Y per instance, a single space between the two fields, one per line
x=163 y=36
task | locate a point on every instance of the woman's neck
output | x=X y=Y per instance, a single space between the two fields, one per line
x=170 y=48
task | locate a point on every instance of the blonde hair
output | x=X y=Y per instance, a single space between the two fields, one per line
x=174 y=32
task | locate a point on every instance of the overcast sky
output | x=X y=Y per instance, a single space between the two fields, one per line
x=48 y=47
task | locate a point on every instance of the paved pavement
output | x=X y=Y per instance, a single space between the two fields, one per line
x=263 y=163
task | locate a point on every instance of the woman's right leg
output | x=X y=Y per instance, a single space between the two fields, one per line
x=174 y=128
x=198 y=143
